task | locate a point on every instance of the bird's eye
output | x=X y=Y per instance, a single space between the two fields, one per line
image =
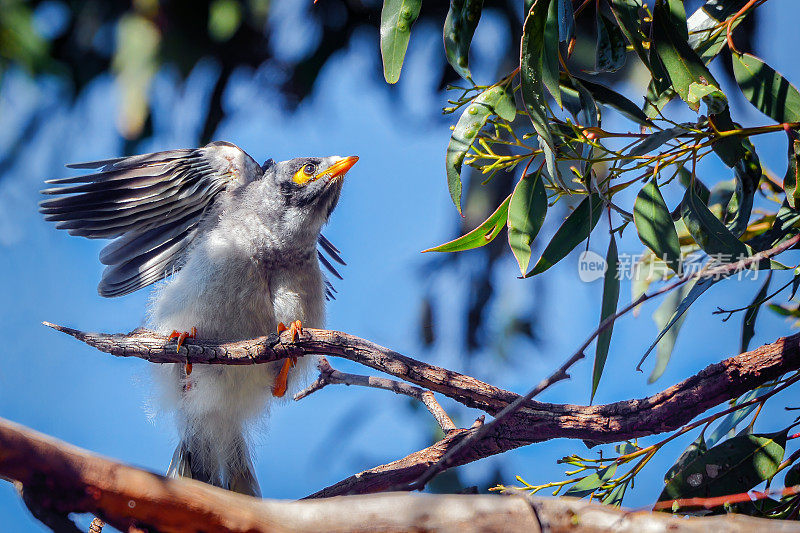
x=309 y=169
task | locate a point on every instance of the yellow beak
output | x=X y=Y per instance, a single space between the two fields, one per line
x=340 y=168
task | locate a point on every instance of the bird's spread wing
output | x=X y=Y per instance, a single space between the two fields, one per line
x=150 y=204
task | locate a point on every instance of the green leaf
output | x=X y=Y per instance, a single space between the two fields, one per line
x=766 y=89
x=697 y=448
x=615 y=496
x=611 y=48
x=592 y=482
x=608 y=308
x=531 y=78
x=749 y=322
x=748 y=175
x=526 y=213
x=397 y=17
x=575 y=229
x=480 y=236
x=605 y=96
x=731 y=420
x=495 y=100
x=670 y=40
x=735 y=466
x=669 y=318
x=791 y=179
x=709 y=232
x=627 y=14
x=655 y=227
x=550 y=68
x=459 y=27
x=688 y=293
x=566 y=20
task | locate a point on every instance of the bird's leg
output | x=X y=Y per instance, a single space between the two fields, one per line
x=282 y=380
x=181 y=336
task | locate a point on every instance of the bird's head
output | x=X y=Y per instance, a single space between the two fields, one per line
x=307 y=188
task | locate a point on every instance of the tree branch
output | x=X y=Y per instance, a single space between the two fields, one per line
x=63 y=479
x=533 y=422
x=330 y=376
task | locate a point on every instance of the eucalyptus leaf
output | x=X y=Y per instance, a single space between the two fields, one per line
x=608 y=308
x=669 y=318
x=697 y=448
x=707 y=33
x=459 y=27
x=731 y=420
x=792 y=176
x=611 y=48
x=480 y=236
x=526 y=213
x=656 y=140
x=397 y=17
x=627 y=13
x=748 y=175
x=592 y=482
x=575 y=229
x=735 y=466
x=550 y=68
x=749 y=321
x=566 y=20
x=531 y=78
x=495 y=100
x=605 y=96
x=655 y=227
x=766 y=89
x=709 y=232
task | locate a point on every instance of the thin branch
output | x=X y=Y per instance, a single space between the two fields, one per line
x=64 y=479
x=330 y=376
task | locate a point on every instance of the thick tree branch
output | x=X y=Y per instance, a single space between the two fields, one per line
x=63 y=479
x=533 y=422
x=330 y=376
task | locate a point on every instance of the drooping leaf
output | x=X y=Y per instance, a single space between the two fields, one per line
x=697 y=448
x=526 y=213
x=669 y=318
x=747 y=172
x=550 y=68
x=459 y=27
x=592 y=482
x=532 y=50
x=735 y=466
x=482 y=235
x=575 y=229
x=397 y=17
x=627 y=13
x=688 y=295
x=766 y=89
x=709 y=232
x=611 y=47
x=495 y=100
x=566 y=20
x=749 y=322
x=792 y=177
x=615 y=496
x=605 y=96
x=654 y=225
x=656 y=140
x=608 y=308
x=670 y=41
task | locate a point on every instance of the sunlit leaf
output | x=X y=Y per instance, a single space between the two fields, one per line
x=615 y=496
x=592 y=482
x=611 y=47
x=575 y=229
x=526 y=213
x=607 y=308
x=495 y=100
x=531 y=78
x=459 y=27
x=480 y=236
x=397 y=17
x=766 y=89
x=735 y=466
x=224 y=18
x=550 y=68
x=749 y=321
x=682 y=64
x=654 y=225
x=707 y=34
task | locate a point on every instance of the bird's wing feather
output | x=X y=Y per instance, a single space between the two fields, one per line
x=150 y=204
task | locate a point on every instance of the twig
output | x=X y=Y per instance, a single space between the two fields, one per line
x=330 y=376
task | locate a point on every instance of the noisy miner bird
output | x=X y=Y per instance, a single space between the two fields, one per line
x=237 y=244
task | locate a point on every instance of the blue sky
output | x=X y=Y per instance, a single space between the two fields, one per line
x=395 y=203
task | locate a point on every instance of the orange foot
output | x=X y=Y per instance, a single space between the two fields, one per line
x=182 y=336
x=281 y=382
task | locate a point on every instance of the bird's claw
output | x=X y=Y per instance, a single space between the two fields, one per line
x=182 y=336
x=295 y=329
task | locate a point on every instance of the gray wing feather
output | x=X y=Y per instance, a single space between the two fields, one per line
x=151 y=203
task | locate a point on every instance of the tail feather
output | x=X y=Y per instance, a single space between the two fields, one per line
x=236 y=473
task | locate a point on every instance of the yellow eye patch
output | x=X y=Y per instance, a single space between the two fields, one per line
x=305 y=174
